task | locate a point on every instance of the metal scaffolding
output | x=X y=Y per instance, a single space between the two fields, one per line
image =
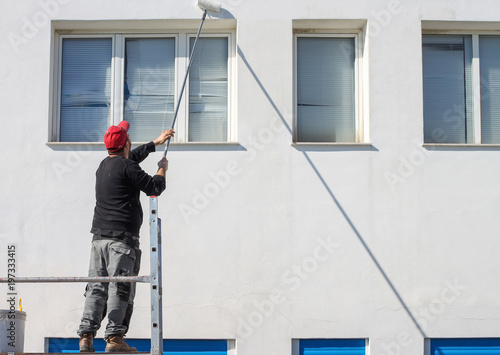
x=154 y=278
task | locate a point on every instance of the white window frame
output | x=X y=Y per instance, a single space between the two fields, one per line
x=476 y=84
x=182 y=39
x=56 y=104
x=358 y=75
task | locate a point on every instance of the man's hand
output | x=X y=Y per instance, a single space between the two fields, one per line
x=163 y=164
x=162 y=167
x=164 y=136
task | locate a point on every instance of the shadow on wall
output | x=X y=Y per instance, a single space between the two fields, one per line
x=334 y=199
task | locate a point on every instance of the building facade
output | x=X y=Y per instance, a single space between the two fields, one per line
x=332 y=177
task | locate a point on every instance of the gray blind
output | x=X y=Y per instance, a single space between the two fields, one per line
x=85 y=89
x=208 y=91
x=149 y=86
x=489 y=54
x=325 y=90
x=447 y=81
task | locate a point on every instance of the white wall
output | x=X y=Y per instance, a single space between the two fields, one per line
x=424 y=247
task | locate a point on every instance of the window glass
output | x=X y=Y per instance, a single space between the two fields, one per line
x=149 y=86
x=208 y=90
x=85 y=99
x=447 y=82
x=325 y=89
x=489 y=53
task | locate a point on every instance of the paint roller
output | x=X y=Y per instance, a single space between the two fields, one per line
x=205 y=5
x=209 y=5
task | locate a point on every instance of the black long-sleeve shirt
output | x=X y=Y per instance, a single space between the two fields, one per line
x=119 y=181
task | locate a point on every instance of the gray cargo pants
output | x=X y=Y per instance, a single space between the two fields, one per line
x=110 y=258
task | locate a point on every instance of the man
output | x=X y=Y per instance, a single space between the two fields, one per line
x=115 y=245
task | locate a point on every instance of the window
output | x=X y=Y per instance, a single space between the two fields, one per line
x=103 y=79
x=487 y=346
x=461 y=81
x=148 y=93
x=327 y=89
x=208 y=86
x=170 y=347
x=85 y=99
x=331 y=347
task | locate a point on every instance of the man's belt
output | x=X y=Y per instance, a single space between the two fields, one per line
x=132 y=242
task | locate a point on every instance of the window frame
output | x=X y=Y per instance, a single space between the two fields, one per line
x=475 y=89
x=182 y=38
x=359 y=128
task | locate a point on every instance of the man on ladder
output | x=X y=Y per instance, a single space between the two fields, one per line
x=115 y=245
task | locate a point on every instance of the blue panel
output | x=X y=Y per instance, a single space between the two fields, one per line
x=170 y=347
x=476 y=346
x=194 y=347
x=332 y=347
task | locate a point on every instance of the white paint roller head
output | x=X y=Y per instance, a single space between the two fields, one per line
x=209 y=5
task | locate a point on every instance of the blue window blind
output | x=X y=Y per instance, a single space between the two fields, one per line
x=170 y=347
x=332 y=347
x=475 y=346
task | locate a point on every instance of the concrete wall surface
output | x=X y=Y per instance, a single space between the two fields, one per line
x=265 y=241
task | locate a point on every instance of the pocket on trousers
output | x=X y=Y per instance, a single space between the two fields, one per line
x=121 y=259
x=123 y=250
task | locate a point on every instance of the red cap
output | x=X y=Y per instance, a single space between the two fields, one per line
x=116 y=136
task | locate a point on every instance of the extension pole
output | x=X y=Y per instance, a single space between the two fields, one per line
x=185 y=77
